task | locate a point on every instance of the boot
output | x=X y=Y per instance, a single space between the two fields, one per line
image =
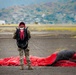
x=30 y=68
x=22 y=67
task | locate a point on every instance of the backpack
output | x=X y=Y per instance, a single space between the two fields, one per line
x=22 y=42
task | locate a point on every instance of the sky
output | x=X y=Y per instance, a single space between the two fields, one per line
x=7 y=3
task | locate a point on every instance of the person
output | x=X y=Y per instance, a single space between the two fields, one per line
x=64 y=55
x=22 y=36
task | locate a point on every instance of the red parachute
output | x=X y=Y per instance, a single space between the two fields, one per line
x=38 y=61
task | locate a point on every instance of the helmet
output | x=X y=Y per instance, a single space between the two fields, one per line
x=22 y=24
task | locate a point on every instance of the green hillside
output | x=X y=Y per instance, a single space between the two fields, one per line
x=45 y=13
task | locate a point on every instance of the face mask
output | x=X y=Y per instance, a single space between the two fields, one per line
x=21 y=28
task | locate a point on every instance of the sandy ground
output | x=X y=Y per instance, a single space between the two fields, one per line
x=41 y=46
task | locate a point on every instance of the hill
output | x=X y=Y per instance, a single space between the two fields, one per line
x=47 y=13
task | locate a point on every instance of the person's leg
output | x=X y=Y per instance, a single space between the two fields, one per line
x=21 y=58
x=27 y=58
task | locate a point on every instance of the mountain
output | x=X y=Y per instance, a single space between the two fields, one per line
x=53 y=12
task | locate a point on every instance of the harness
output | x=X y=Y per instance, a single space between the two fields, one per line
x=22 y=38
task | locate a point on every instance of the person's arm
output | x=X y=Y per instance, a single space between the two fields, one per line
x=29 y=35
x=14 y=35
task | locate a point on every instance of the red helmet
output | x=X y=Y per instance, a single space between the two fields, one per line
x=22 y=24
